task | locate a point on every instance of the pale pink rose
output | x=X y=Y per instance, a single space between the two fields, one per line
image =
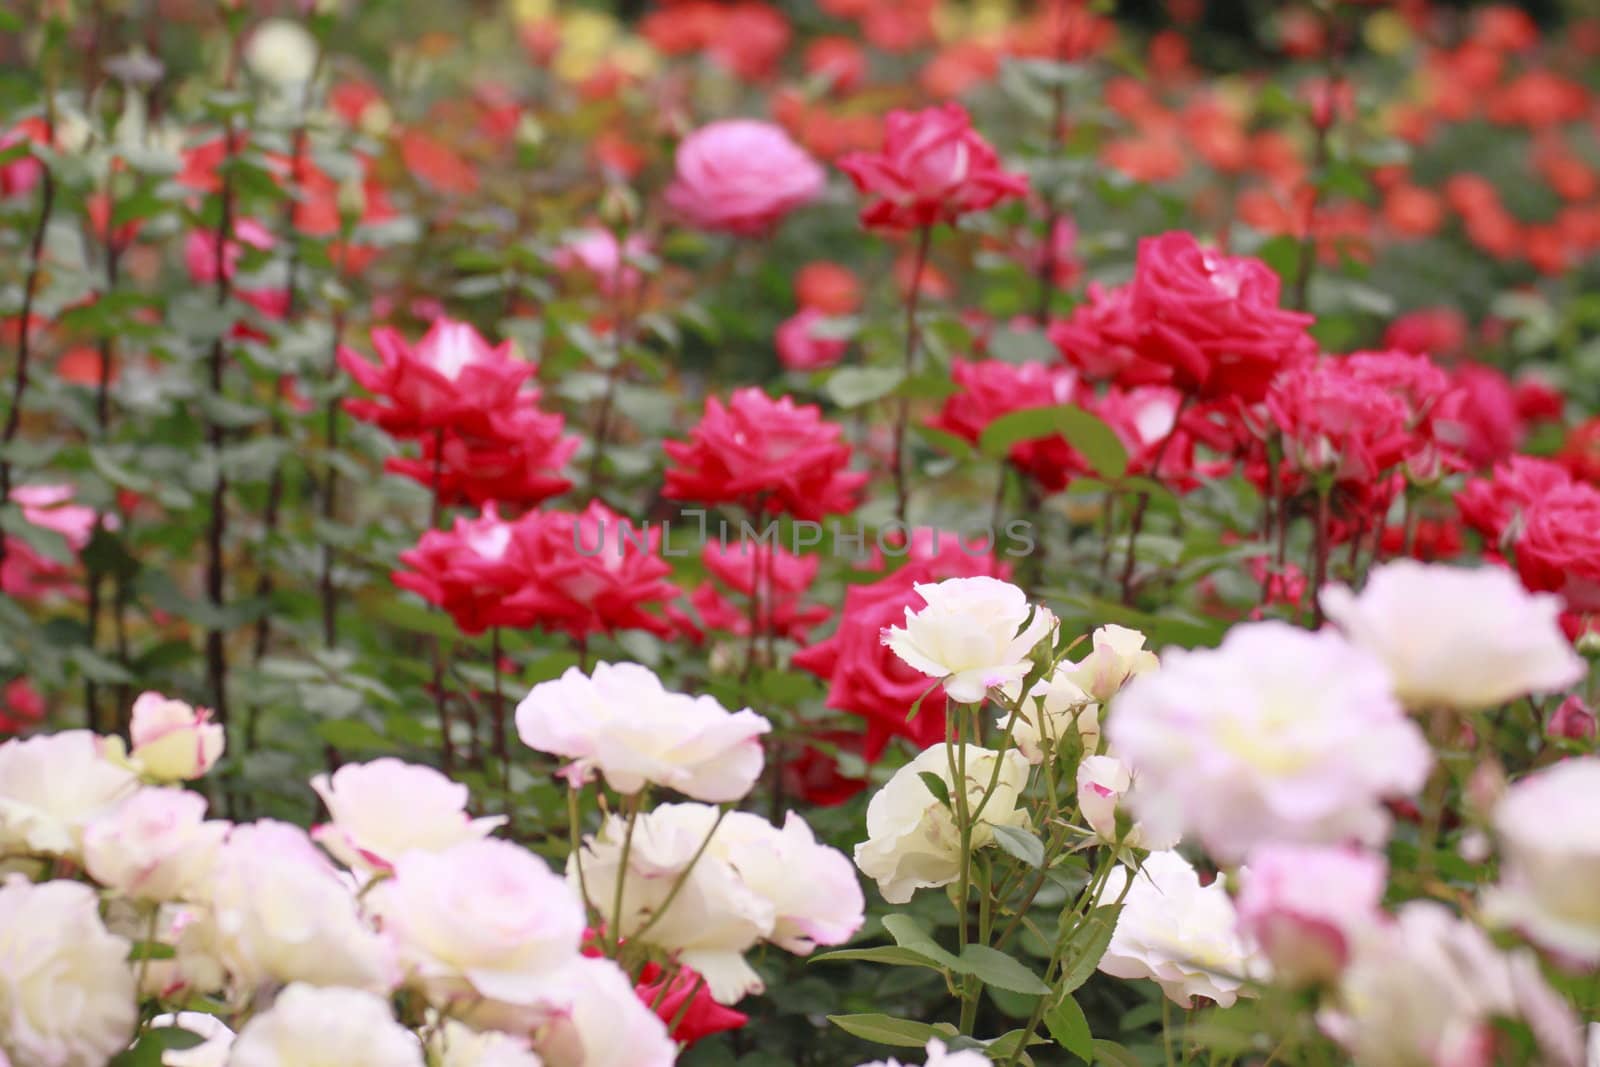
x=742 y=176
x=311 y=1027
x=1551 y=846
x=621 y=721
x=1457 y=637
x=50 y=507
x=156 y=845
x=596 y=1020
x=1304 y=907
x=52 y=785
x=172 y=740
x=383 y=809
x=1116 y=654
x=1103 y=787
x=801 y=345
x=596 y=251
x=1278 y=735
x=484 y=919
x=970 y=635
x=812 y=888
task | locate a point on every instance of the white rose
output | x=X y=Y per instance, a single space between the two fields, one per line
x=600 y=1022
x=812 y=888
x=211 y=1052
x=1117 y=654
x=311 y=1027
x=281 y=53
x=52 y=785
x=971 y=635
x=940 y=1056
x=1552 y=859
x=388 y=807
x=622 y=722
x=485 y=919
x=66 y=992
x=1454 y=637
x=912 y=840
x=156 y=845
x=712 y=921
x=173 y=741
x=1054 y=707
x=1103 y=785
x=283 y=913
x=1174 y=931
x=457 y=1045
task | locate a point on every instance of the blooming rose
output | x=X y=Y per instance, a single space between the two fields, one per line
x=311 y=1027
x=51 y=786
x=1338 y=425
x=156 y=845
x=765 y=455
x=1103 y=787
x=802 y=347
x=1053 y=708
x=1552 y=860
x=484 y=919
x=283 y=913
x=1116 y=654
x=67 y=994
x=621 y=721
x=172 y=740
x=912 y=839
x=813 y=890
x=1572 y=719
x=380 y=810
x=598 y=1022
x=714 y=919
x=469 y=571
x=1175 y=931
x=831 y=288
x=458 y=1045
x=1459 y=638
x=993 y=388
x=211 y=1052
x=1304 y=907
x=452 y=379
x=1492 y=505
x=933 y=167
x=513 y=456
x=684 y=1003
x=742 y=176
x=596 y=251
x=1212 y=320
x=975 y=634
x=1278 y=735
x=1428 y=989
x=940 y=1056
x=1558 y=548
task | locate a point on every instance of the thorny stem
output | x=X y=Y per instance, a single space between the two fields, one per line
x=216 y=649
x=903 y=405
x=19 y=383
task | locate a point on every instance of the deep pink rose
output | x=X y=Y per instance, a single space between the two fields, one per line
x=514 y=458
x=1490 y=505
x=934 y=167
x=799 y=347
x=1479 y=418
x=1558 y=548
x=596 y=252
x=992 y=388
x=742 y=176
x=1336 y=424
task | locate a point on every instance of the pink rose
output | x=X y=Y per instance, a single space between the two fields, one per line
x=1305 y=906
x=742 y=176
x=172 y=740
x=800 y=347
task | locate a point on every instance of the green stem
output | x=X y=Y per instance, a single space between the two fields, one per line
x=632 y=805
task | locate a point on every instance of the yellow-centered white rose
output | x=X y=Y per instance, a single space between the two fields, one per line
x=974 y=634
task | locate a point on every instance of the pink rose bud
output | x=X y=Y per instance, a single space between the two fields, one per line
x=173 y=740
x=1305 y=906
x=1572 y=720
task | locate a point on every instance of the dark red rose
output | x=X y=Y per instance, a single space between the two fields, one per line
x=470 y=571
x=1558 y=546
x=1491 y=505
x=992 y=388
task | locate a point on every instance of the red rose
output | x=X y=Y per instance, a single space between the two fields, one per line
x=1490 y=505
x=993 y=388
x=764 y=454
x=1558 y=548
x=742 y=176
x=1101 y=337
x=934 y=167
x=1213 y=320
x=21 y=706
x=470 y=571
x=1439 y=331
x=1337 y=424
x=451 y=380
x=799 y=346
x=1143 y=419
x=703 y=1016
x=516 y=461
x=1479 y=418
x=1580 y=452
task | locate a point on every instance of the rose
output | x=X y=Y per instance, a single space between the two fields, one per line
x=1175 y=931
x=513 y=457
x=172 y=740
x=380 y=810
x=1053 y=707
x=19 y=176
x=470 y=571
x=684 y=1003
x=64 y=978
x=1103 y=787
x=1305 y=907
x=621 y=721
x=741 y=176
x=1493 y=505
x=457 y=1045
x=1458 y=638
x=1551 y=861
x=484 y=919
x=1277 y=735
x=912 y=839
x=1117 y=653
x=311 y=1027
x=765 y=455
x=1558 y=549
x=933 y=167
x=52 y=785
x=282 y=913
x=974 y=634
x=156 y=845
x=993 y=388
x=812 y=888
x=598 y=1022
x=596 y=251
x=1337 y=425
x=1212 y=321
x=281 y=53
x=801 y=345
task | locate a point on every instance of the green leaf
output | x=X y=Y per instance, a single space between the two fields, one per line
x=892 y=955
x=936 y=786
x=1098 y=443
x=851 y=387
x=945 y=441
x=997 y=969
x=1022 y=346
x=1067 y=1025
x=147 y=1053
x=886 y=1030
x=908 y=933
x=150 y=950
x=1114 y=1055
x=1021 y=844
x=1086 y=944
